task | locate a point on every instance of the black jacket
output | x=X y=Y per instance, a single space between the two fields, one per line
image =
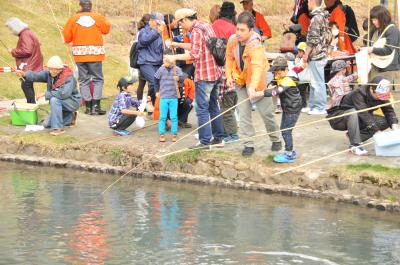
x=361 y=99
x=289 y=94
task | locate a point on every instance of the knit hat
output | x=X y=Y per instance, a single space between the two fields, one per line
x=383 y=86
x=227 y=10
x=126 y=81
x=86 y=4
x=158 y=17
x=338 y=66
x=55 y=62
x=16 y=25
x=278 y=64
x=183 y=13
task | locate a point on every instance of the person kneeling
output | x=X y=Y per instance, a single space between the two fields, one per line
x=291 y=104
x=125 y=108
x=62 y=94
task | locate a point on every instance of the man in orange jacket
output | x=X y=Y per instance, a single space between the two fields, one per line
x=84 y=31
x=261 y=23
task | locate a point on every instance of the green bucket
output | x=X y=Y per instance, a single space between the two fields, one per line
x=24 y=114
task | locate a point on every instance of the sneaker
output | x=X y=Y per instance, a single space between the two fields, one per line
x=248 y=151
x=286 y=157
x=276 y=146
x=228 y=139
x=161 y=139
x=122 y=132
x=231 y=138
x=200 y=146
x=278 y=109
x=317 y=112
x=358 y=150
x=253 y=107
x=218 y=142
x=305 y=110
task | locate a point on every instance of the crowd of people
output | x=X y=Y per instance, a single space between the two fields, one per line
x=179 y=57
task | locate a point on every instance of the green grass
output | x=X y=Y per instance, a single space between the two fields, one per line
x=45 y=138
x=116 y=155
x=391 y=198
x=384 y=170
x=270 y=158
x=184 y=157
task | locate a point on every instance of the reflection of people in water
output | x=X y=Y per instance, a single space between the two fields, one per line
x=170 y=214
x=88 y=240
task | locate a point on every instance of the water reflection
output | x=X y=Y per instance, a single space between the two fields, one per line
x=51 y=216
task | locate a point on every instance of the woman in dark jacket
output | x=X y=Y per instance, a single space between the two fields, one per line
x=27 y=54
x=142 y=82
x=382 y=27
x=151 y=50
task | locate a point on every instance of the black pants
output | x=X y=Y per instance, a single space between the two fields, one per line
x=184 y=109
x=289 y=120
x=140 y=89
x=304 y=88
x=124 y=122
x=29 y=91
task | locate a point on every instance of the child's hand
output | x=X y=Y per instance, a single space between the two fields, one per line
x=176 y=78
x=140 y=113
x=270 y=86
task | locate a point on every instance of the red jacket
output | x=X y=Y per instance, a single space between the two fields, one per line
x=223 y=28
x=262 y=24
x=27 y=54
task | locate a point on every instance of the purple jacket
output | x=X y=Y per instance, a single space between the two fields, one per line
x=27 y=54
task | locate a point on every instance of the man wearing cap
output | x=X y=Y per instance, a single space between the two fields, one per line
x=207 y=76
x=61 y=92
x=261 y=23
x=84 y=31
x=362 y=126
x=27 y=54
x=151 y=47
x=246 y=67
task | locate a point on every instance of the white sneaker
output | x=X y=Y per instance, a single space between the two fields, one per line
x=305 y=110
x=358 y=150
x=316 y=112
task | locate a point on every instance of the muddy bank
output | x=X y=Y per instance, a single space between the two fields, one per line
x=211 y=168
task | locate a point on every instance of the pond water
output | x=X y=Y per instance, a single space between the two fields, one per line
x=53 y=216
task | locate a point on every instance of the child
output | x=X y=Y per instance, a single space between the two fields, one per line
x=186 y=102
x=124 y=109
x=291 y=105
x=334 y=44
x=339 y=84
x=167 y=89
x=299 y=67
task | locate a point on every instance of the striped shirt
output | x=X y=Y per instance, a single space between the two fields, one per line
x=165 y=81
x=206 y=69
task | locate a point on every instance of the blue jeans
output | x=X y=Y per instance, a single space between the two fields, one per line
x=168 y=105
x=61 y=113
x=207 y=108
x=318 y=88
x=288 y=121
x=147 y=72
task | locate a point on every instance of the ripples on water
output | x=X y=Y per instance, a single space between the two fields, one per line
x=50 y=216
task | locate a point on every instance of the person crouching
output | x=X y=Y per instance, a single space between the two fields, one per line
x=291 y=104
x=62 y=94
x=125 y=108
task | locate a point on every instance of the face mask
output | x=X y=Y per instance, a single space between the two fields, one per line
x=335 y=32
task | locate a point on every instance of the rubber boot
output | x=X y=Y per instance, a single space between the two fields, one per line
x=96 y=109
x=88 y=105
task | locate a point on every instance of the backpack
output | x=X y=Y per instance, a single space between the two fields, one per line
x=134 y=55
x=351 y=23
x=217 y=47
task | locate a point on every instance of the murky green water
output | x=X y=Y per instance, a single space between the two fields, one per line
x=50 y=216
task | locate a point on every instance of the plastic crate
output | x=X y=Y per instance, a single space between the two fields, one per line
x=24 y=114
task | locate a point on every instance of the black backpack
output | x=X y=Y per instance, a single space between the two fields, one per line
x=217 y=47
x=351 y=23
x=134 y=55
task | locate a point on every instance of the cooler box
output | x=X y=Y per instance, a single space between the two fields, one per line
x=24 y=114
x=387 y=143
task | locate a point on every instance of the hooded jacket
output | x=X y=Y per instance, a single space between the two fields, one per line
x=255 y=62
x=317 y=37
x=27 y=54
x=151 y=47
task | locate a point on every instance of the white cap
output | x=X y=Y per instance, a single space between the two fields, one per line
x=55 y=62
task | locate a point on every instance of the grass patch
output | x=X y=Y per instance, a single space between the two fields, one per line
x=185 y=157
x=391 y=198
x=45 y=138
x=377 y=168
x=270 y=158
x=116 y=155
x=4 y=121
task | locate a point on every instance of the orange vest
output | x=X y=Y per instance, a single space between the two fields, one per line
x=262 y=24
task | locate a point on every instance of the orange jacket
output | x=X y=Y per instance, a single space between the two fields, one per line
x=262 y=24
x=304 y=21
x=338 y=16
x=84 y=31
x=188 y=86
x=255 y=63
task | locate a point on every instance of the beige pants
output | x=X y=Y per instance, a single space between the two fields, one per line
x=392 y=76
x=265 y=108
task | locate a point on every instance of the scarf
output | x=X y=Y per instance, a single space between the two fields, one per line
x=60 y=79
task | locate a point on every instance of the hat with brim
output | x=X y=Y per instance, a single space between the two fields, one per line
x=183 y=13
x=126 y=81
x=383 y=86
x=338 y=65
x=55 y=62
x=158 y=17
x=279 y=63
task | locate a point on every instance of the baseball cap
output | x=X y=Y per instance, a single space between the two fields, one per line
x=338 y=66
x=383 y=86
x=302 y=46
x=126 y=81
x=279 y=63
x=184 y=12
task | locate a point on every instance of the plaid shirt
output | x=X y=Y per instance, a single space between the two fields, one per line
x=124 y=100
x=339 y=87
x=206 y=69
